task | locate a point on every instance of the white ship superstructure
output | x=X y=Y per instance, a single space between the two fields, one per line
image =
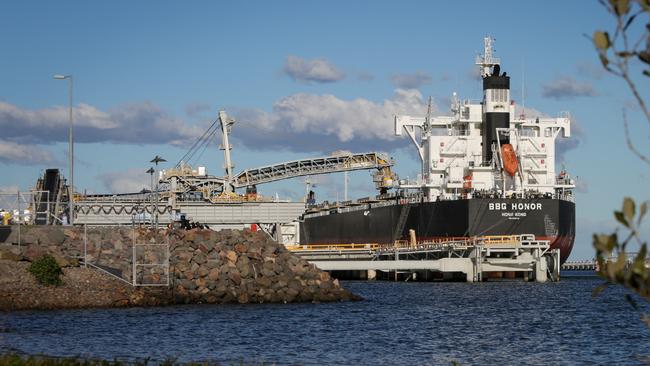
x=464 y=155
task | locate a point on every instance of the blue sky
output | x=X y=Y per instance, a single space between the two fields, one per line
x=303 y=79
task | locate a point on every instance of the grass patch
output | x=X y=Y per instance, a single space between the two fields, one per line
x=46 y=271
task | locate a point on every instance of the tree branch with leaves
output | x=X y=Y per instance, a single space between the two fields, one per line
x=619 y=54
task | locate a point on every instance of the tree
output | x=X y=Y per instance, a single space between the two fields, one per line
x=621 y=55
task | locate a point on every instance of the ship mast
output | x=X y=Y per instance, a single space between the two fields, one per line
x=486 y=61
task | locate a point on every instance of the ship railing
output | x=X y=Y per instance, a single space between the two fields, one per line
x=450 y=239
x=236 y=198
x=435 y=244
x=333 y=247
x=501 y=239
x=565 y=197
x=485 y=240
x=463 y=244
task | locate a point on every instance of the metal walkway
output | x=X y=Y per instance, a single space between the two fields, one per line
x=474 y=257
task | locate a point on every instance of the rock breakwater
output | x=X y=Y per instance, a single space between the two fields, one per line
x=193 y=266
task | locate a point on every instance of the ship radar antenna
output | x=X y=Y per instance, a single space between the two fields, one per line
x=486 y=61
x=523 y=91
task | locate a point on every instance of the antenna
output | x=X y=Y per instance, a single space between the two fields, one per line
x=523 y=90
x=428 y=119
x=486 y=61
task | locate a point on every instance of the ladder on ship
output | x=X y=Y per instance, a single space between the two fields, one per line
x=401 y=222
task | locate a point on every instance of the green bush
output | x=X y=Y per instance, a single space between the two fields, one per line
x=46 y=270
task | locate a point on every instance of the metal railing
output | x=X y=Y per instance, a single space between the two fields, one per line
x=333 y=247
x=143 y=270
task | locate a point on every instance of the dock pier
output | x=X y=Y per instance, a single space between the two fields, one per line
x=472 y=260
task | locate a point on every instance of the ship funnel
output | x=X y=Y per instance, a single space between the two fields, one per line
x=496 y=109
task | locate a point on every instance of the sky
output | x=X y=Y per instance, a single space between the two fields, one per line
x=302 y=79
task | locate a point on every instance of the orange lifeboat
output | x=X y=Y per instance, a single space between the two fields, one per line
x=510 y=163
x=467 y=181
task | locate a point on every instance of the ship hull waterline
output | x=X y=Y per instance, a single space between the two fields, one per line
x=546 y=218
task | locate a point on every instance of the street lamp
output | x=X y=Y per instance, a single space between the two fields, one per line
x=157 y=159
x=151 y=171
x=70 y=146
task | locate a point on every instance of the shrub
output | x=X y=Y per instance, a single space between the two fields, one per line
x=46 y=270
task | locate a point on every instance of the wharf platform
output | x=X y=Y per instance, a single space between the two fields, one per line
x=476 y=259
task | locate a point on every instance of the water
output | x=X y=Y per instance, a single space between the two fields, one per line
x=505 y=323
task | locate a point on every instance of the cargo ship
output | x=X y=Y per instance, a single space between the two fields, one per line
x=485 y=171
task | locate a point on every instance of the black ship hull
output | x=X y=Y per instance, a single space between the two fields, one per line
x=546 y=218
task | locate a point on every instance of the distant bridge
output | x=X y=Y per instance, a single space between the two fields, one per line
x=592 y=264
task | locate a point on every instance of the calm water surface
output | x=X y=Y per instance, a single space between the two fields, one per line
x=496 y=323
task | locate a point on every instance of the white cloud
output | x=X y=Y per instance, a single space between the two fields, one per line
x=197 y=108
x=136 y=123
x=411 y=81
x=317 y=70
x=310 y=123
x=474 y=73
x=13 y=153
x=566 y=87
x=126 y=181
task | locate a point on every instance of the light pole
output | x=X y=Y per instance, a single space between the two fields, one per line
x=70 y=146
x=157 y=159
x=151 y=171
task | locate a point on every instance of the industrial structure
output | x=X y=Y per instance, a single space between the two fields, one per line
x=184 y=193
x=485 y=172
